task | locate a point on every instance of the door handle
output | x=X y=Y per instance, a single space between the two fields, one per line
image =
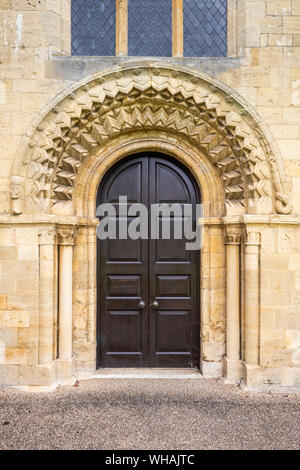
x=155 y=305
x=142 y=305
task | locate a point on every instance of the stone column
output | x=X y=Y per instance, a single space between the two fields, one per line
x=46 y=296
x=66 y=240
x=252 y=298
x=177 y=28
x=121 y=27
x=232 y=359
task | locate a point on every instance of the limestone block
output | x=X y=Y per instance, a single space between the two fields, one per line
x=280 y=40
x=54 y=5
x=27 y=287
x=254 y=76
x=40 y=56
x=271 y=114
x=8 y=374
x=267 y=378
x=285 y=131
x=287 y=318
x=297 y=280
x=295 y=7
x=3 y=302
x=264 y=39
x=291 y=25
x=213 y=352
x=37 y=374
x=291 y=115
x=15 y=355
x=292 y=55
x=7 y=236
x=27 y=252
x=278 y=280
x=65 y=370
x=272 y=338
x=274 y=298
x=271 y=56
x=267 y=96
x=23 y=86
x=26 y=5
x=212 y=369
x=267 y=317
x=85 y=369
x=292 y=339
x=294 y=262
x=8 y=253
x=26 y=236
x=14 y=319
x=66 y=9
x=271 y=24
x=9 y=336
x=232 y=370
x=279 y=7
x=5 y=4
x=277 y=77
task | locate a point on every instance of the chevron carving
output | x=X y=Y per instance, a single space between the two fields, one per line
x=142 y=99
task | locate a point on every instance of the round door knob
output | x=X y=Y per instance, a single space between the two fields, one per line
x=155 y=305
x=142 y=305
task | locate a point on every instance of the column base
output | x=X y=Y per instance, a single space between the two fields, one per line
x=37 y=375
x=85 y=369
x=233 y=370
x=271 y=379
x=211 y=370
x=65 y=371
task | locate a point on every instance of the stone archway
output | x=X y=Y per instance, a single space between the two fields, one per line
x=182 y=104
x=187 y=116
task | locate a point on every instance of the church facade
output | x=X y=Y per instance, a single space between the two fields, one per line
x=95 y=104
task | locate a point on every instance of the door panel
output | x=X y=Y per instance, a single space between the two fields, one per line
x=174 y=326
x=122 y=338
x=150 y=270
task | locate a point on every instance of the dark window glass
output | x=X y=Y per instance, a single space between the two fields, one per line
x=205 y=28
x=93 y=27
x=150 y=28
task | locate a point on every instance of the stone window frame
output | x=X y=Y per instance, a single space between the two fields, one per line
x=177 y=28
x=233 y=30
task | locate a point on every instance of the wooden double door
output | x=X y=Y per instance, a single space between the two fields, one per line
x=148 y=289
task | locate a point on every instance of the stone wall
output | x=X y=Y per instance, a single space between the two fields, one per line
x=264 y=68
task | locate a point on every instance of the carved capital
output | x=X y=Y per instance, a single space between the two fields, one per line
x=66 y=236
x=47 y=237
x=233 y=235
x=253 y=237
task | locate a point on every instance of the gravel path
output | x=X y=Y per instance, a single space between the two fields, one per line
x=149 y=414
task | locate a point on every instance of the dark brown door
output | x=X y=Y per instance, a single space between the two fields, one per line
x=159 y=273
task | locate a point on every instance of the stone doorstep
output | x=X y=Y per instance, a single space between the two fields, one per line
x=151 y=373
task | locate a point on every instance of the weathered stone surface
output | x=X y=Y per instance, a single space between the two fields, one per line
x=234 y=121
x=8 y=375
x=14 y=319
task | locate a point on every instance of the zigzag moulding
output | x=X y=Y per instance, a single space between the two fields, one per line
x=176 y=102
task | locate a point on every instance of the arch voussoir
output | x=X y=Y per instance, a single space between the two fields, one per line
x=157 y=99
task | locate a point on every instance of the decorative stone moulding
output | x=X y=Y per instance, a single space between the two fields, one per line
x=234 y=235
x=47 y=237
x=204 y=113
x=66 y=236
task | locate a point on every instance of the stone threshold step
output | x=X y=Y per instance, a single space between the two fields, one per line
x=150 y=373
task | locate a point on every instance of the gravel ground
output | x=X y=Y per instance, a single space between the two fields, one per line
x=149 y=414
